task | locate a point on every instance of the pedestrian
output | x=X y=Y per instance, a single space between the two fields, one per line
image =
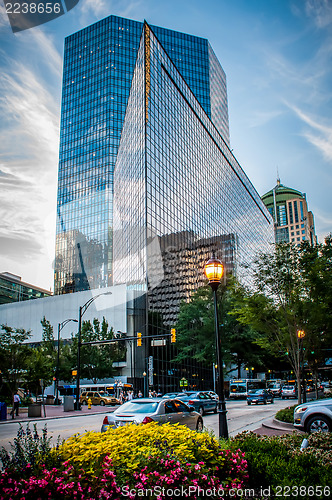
x=16 y=404
x=140 y=395
x=130 y=395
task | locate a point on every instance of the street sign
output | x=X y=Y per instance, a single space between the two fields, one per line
x=150 y=370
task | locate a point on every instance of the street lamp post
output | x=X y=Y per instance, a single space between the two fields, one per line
x=60 y=326
x=82 y=310
x=145 y=392
x=300 y=337
x=214 y=271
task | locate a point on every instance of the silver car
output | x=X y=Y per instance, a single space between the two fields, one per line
x=314 y=416
x=145 y=410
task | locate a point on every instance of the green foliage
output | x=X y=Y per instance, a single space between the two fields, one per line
x=292 y=291
x=286 y=414
x=29 y=448
x=196 y=331
x=277 y=460
x=97 y=360
x=13 y=355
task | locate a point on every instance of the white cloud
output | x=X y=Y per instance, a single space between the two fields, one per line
x=29 y=156
x=103 y=8
x=320 y=11
x=322 y=139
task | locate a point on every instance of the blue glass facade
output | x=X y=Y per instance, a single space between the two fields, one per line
x=99 y=63
x=179 y=192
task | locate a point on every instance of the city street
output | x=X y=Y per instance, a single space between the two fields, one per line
x=240 y=417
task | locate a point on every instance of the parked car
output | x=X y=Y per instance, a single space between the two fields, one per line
x=98 y=398
x=200 y=400
x=145 y=410
x=289 y=391
x=314 y=416
x=257 y=396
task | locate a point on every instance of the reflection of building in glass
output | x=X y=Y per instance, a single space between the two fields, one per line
x=178 y=280
x=99 y=62
x=13 y=289
x=289 y=209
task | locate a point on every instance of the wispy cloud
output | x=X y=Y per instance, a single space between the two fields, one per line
x=29 y=150
x=319 y=133
x=103 y=8
x=320 y=11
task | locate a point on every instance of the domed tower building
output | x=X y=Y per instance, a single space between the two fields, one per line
x=293 y=221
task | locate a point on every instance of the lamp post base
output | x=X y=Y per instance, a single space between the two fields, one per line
x=223 y=428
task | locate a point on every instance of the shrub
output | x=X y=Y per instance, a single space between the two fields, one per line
x=277 y=460
x=133 y=448
x=29 y=448
x=286 y=414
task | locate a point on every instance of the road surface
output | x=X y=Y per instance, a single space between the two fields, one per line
x=240 y=417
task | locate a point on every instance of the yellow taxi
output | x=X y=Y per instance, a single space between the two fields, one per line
x=98 y=398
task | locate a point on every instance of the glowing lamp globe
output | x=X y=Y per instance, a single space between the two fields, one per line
x=214 y=271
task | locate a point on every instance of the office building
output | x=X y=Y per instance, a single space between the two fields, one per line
x=13 y=289
x=148 y=185
x=99 y=63
x=292 y=220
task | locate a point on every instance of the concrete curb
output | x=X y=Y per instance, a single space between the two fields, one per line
x=277 y=425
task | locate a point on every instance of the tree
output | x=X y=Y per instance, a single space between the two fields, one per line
x=42 y=360
x=196 y=331
x=291 y=292
x=13 y=356
x=97 y=360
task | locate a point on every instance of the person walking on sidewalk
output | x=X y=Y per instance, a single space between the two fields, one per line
x=16 y=404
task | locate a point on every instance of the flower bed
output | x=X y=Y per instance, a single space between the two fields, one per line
x=130 y=462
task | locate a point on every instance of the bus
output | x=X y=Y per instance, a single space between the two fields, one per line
x=239 y=388
x=112 y=389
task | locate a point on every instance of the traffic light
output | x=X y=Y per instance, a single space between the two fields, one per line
x=173 y=335
x=139 y=339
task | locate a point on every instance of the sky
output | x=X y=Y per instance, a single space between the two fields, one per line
x=277 y=55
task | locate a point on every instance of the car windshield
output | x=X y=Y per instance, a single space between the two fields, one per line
x=138 y=407
x=256 y=391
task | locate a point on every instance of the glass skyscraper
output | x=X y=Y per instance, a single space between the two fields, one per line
x=99 y=62
x=148 y=185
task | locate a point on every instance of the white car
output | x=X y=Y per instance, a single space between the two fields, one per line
x=145 y=410
x=314 y=416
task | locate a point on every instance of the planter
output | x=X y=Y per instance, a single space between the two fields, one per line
x=34 y=410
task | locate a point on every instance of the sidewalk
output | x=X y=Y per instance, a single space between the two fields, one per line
x=56 y=411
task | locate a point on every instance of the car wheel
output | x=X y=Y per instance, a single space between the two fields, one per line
x=248 y=403
x=272 y=401
x=84 y=402
x=102 y=403
x=265 y=401
x=319 y=423
x=201 y=410
x=215 y=410
x=199 y=425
